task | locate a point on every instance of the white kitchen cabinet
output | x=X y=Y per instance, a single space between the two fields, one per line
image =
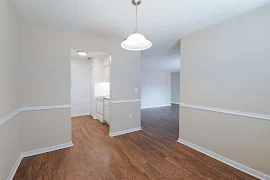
x=99 y=101
x=100 y=117
x=107 y=73
x=107 y=110
x=106 y=61
x=100 y=109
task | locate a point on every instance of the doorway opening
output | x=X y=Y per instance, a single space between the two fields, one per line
x=90 y=85
x=160 y=102
x=160 y=91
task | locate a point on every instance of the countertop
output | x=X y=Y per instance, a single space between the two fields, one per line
x=107 y=97
x=103 y=97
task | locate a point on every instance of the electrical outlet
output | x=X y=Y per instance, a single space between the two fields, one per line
x=136 y=89
x=130 y=116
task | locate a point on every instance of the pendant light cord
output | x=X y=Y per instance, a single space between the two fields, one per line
x=136 y=27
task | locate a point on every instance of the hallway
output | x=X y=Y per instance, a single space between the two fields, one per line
x=152 y=153
x=163 y=121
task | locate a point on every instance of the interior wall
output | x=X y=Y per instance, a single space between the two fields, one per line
x=45 y=62
x=129 y=123
x=227 y=66
x=92 y=102
x=80 y=87
x=156 y=88
x=125 y=73
x=10 y=145
x=175 y=87
x=9 y=58
x=99 y=76
x=49 y=127
x=9 y=69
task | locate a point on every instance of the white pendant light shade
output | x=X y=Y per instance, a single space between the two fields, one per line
x=136 y=42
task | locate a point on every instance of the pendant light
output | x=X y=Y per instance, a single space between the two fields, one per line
x=136 y=41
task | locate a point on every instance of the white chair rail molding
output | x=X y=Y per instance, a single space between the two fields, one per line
x=33 y=151
x=227 y=111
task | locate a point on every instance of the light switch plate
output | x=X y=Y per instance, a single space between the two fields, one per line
x=130 y=116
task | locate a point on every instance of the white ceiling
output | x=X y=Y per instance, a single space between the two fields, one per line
x=163 y=22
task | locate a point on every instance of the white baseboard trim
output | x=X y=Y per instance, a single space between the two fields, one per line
x=175 y=103
x=157 y=106
x=15 y=167
x=36 y=152
x=81 y=114
x=126 y=101
x=47 y=149
x=94 y=117
x=225 y=160
x=112 y=134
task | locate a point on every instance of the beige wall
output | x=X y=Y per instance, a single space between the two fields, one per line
x=10 y=146
x=227 y=66
x=80 y=87
x=125 y=74
x=44 y=128
x=242 y=139
x=9 y=69
x=120 y=115
x=175 y=89
x=156 y=88
x=9 y=58
x=45 y=70
x=125 y=77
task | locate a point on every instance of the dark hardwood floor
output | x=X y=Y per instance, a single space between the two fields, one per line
x=162 y=121
x=152 y=153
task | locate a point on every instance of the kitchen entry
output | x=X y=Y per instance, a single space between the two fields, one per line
x=90 y=85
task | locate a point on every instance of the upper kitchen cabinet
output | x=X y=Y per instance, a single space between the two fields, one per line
x=107 y=73
x=106 y=63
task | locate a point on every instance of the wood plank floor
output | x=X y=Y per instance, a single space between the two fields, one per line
x=152 y=153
